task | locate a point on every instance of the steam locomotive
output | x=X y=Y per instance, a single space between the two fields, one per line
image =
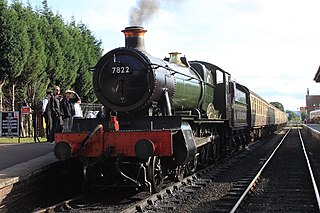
x=165 y=118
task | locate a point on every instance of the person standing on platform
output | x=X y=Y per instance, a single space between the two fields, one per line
x=77 y=110
x=67 y=107
x=55 y=113
x=45 y=113
x=102 y=113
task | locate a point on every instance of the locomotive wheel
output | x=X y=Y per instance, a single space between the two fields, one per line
x=155 y=174
x=206 y=155
x=89 y=178
x=192 y=166
x=179 y=173
x=216 y=150
x=203 y=158
x=86 y=185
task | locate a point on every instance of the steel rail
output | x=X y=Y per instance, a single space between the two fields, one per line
x=138 y=207
x=60 y=204
x=236 y=206
x=315 y=187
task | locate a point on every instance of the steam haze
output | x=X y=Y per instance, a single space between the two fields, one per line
x=143 y=11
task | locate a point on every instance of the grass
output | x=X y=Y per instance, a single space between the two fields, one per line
x=9 y=140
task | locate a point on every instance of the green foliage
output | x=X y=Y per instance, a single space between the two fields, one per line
x=6 y=140
x=18 y=40
x=35 y=66
x=50 y=29
x=4 y=63
x=292 y=116
x=39 y=50
x=304 y=115
x=278 y=105
x=89 y=56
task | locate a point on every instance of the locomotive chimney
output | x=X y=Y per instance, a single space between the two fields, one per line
x=134 y=37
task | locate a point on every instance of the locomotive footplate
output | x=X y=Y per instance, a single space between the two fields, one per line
x=136 y=123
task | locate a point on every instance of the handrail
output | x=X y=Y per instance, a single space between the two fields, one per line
x=89 y=136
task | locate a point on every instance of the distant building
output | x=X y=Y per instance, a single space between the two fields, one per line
x=312 y=101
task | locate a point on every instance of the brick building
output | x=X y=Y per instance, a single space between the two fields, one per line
x=313 y=101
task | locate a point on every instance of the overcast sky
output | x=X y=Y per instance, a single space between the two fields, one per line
x=271 y=46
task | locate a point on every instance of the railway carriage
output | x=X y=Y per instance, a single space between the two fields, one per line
x=165 y=118
x=265 y=117
x=259 y=110
x=315 y=116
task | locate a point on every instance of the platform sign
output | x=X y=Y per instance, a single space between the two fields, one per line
x=25 y=110
x=9 y=124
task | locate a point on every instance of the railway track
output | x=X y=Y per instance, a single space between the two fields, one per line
x=219 y=183
x=171 y=198
x=61 y=206
x=134 y=202
x=137 y=202
x=285 y=182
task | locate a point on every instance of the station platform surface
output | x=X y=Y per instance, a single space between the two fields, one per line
x=21 y=164
x=14 y=154
x=314 y=127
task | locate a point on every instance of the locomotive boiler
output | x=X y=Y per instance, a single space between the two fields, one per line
x=165 y=117
x=128 y=79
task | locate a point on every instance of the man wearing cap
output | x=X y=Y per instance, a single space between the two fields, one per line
x=67 y=106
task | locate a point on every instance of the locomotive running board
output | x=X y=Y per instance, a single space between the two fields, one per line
x=144 y=123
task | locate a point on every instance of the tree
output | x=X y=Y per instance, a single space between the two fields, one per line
x=4 y=63
x=38 y=50
x=90 y=53
x=35 y=66
x=53 y=51
x=304 y=115
x=17 y=44
x=63 y=72
x=292 y=116
x=278 y=105
x=69 y=48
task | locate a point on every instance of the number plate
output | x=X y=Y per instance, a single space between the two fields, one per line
x=121 y=70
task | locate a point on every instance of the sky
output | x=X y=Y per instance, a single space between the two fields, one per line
x=270 y=46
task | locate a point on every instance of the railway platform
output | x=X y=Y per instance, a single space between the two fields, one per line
x=21 y=165
x=313 y=130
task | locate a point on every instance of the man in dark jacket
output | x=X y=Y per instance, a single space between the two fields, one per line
x=55 y=112
x=67 y=107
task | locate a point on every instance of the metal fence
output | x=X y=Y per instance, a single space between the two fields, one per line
x=90 y=108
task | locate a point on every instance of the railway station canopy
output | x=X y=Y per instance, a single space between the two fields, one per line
x=317 y=76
